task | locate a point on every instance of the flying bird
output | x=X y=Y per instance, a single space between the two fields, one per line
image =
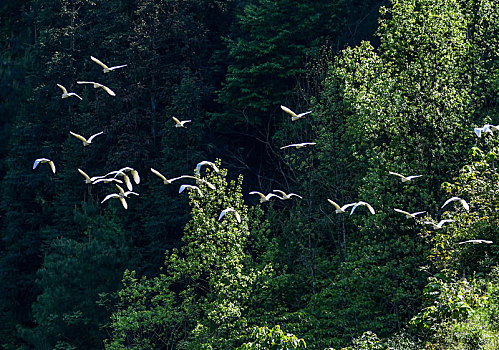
x=98 y=85
x=106 y=68
x=299 y=145
x=205 y=162
x=126 y=179
x=135 y=173
x=462 y=201
x=409 y=215
x=85 y=141
x=440 y=224
x=476 y=241
x=199 y=181
x=225 y=211
x=44 y=160
x=66 y=94
x=294 y=116
x=180 y=124
x=371 y=209
x=265 y=198
x=88 y=179
x=405 y=178
x=190 y=188
x=286 y=196
x=121 y=195
x=339 y=209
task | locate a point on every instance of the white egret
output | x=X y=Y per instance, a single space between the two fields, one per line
x=462 y=201
x=299 y=145
x=265 y=198
x=106 y=68
x=371 y=209
x=339 y=209
x=225 y=211
x=286 y=196
x=205 y=162
x=44 y=160
x=293 y=115
x=190 y=188
x=476 y=241
x=66 y=94
x=405 y=178
x=409 y=215
x=180 y=124
x=98 y=85
x=85 y=141
x=121 y=196
x=440 y=223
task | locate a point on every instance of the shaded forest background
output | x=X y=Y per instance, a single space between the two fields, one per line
x=392 y=85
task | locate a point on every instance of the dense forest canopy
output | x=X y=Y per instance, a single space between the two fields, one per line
x=262 y=174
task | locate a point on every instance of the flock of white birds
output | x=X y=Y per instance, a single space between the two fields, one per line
x=112 y=177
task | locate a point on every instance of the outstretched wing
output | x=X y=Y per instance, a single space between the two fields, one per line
x=93 y=136
x=79 y=137
x=62 y=88
x=108 y=90
x=289 y=111
x=99 y=62
x=84 y=174
x=157 y=173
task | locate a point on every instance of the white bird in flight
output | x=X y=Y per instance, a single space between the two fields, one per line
x=135 y=173
x=294 y=116
x=66 y=94
x=339 y=209
x=199 y=181
x=126 y=179
x=85 y=141
x=299 y=145
x=106 y=68
x=476 y=241
x=462 y=201
x=88 y=179
x=44 y=160
x=440 y=224
x=180 y=124
x=121 y=196
x=225 y=211
x=190 y=188
x=371 y=209
x=98 y=85
x=409 y=215
x=286 y=196
x=205 y=162
x=405 y=178
x=265 y=198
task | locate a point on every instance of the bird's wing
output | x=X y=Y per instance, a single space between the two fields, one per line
x=35 y=164
x=334 y=204
x=355 y=205
x=84 y=174
x=465 y=204
x=63 y=89
x=215 y=168
x=120 y=189
x=199 y=191
x=281 y=192
x=413 y=177
x=478 y=131
x=135 y=175
x=108 y=90
x=93 y=136
x=128 y=183
x=270 y=195
x=52 y=166
x=182 y=188
x=74 y=94
x=86 y=82
x=127 y=193
x=346 y=206
x=176 y=121
x=371 y=209
x=157 y=173
x=403 y=212
x=418 y=213
x=294 y=194
x=450 y=200
x=79 y=137
x=289 y=111
x=112 y=195
x=477 y=241
x=222 y=214
x=259 y=193
x=210 y=185
x=396 y=174
x=440 y=224
x=116 y=67
x=123 y=202
x=292 y=145
x=302 y=114
x=98 y=62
